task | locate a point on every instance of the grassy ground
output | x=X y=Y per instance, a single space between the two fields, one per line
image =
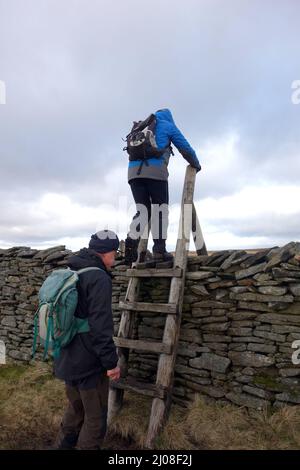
x=32 y=403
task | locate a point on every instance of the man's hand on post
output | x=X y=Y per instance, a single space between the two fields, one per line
x=114 y=374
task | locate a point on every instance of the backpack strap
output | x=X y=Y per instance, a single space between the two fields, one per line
x=36 y=328
x=84 y=270
x=50 y=333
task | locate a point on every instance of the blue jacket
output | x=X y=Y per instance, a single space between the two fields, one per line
x=166 y=133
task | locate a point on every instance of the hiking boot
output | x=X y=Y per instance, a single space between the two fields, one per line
x=165 y=256
x=145 y=261
x=163 y=260
x=68 y=442
x=131 y=250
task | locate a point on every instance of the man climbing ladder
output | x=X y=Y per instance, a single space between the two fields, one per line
x=149 y=149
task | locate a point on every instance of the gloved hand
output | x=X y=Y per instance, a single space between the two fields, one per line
x=198 y=168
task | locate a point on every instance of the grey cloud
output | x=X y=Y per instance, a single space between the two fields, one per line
x=270 y=226
x=77 y=74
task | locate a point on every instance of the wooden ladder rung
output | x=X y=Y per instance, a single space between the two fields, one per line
x=153 y=272
x=150 y=390
x=149 y=346
x=149 y=307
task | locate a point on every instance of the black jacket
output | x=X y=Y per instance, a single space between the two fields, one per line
x=95 y=351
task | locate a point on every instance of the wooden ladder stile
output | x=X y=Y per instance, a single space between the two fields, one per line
x=161 y=391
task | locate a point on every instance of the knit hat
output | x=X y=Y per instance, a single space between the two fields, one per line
x=104 y=241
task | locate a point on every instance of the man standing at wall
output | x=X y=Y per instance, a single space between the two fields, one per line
x=87 y=363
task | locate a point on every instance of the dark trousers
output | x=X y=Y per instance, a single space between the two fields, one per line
x=85 y=419
x=151 y=198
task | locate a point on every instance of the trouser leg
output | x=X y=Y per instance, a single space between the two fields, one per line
x=141 y=196
x=95 y=402
x=159 y=192
x=140 y=221
x=72 y=420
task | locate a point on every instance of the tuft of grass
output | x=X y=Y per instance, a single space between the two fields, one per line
x=174 y=435
x=33 y=402
x=216 y=426
x=131 y=424
x=31 y=412
x=11 y=373
x=9 y=377
x=224 y=426
x=132 y=421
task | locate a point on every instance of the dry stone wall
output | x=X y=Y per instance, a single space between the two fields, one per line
x=241 y=316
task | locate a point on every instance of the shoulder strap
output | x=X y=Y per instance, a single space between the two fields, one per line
x=84 y=270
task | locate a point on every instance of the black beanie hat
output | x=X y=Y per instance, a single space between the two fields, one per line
x=104 y=241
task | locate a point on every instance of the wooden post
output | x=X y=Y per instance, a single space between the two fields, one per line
x=197 y=234
x=166 y=364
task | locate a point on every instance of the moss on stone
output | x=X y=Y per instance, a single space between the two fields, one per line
x=269 y=383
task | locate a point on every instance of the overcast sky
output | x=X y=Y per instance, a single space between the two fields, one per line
x=77 y=73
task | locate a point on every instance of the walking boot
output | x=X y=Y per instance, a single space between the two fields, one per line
x=131 y=250
x=163 y=260
x=68 y=442
x=145 y=260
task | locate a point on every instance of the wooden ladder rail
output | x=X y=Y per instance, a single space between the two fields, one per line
x=166 y=364
x=197 y=234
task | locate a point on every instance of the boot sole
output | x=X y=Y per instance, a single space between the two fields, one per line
x=164 y=264
x=146 y=265
x=155 y=264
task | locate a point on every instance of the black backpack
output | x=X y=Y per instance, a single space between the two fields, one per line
x=141 y=142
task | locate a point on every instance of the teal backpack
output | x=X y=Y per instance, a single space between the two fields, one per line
x=54 y=320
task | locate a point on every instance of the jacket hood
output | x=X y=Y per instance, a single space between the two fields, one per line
x=164 y=115
x=84 y=259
